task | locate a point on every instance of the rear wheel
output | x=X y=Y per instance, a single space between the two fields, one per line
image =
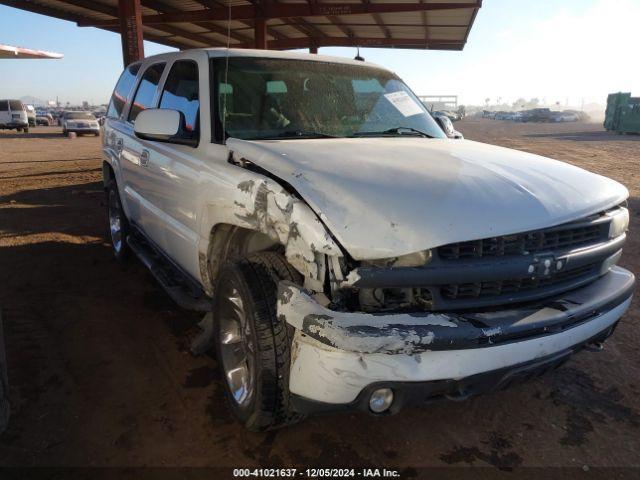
x=26 y=130
x=252 y=344
x=118 y=223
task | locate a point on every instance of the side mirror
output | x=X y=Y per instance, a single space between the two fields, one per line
x=447 y=127
x=101 y=121
x=163 y=125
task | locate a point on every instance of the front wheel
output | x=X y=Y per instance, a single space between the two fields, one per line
x=118 y=223
x=253 y=345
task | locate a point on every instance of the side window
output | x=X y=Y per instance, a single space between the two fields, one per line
x=4 y=105
x=123 y=89
x=16 y=105
x=146 y=90
x=181 y=92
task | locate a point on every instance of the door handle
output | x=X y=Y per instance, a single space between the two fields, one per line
x=144 y=158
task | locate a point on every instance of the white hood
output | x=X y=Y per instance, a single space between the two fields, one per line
x=384 y=197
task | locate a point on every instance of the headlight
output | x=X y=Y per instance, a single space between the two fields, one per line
x=417 y=259
x=619 y=222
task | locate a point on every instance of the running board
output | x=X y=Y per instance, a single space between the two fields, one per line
x=181 y=289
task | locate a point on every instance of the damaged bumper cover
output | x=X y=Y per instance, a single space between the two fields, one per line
x=338 y=354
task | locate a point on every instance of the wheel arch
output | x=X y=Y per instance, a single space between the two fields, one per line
x=107 y=173
x=228 y=242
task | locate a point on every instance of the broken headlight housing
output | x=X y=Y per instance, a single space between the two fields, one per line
x=417 y=259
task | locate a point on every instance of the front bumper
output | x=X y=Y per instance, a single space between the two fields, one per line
x=83 y=129
x=338 y=355
x=15 y=124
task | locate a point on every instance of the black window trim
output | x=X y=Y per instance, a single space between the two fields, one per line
x=137 y=86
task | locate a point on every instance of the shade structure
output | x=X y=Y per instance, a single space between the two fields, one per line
x=281 y=25
x=11 y=52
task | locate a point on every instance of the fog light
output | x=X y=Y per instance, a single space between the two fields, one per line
x=381 y=399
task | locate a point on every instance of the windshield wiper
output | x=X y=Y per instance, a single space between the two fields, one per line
x=297 y=134
x=394 y=131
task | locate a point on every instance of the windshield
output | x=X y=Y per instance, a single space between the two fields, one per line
x=79 y=116
x=266 y=98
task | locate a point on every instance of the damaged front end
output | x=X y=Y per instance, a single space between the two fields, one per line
x=442 y=314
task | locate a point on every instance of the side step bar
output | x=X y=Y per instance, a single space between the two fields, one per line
x=181 y=289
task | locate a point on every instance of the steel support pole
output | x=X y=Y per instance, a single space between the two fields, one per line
x=131 y=31
x=260 y=33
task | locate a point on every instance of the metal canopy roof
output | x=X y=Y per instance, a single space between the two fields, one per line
x=11 y=52
x=418 y=24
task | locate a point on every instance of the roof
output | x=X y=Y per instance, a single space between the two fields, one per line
x=418 y=24
x=245 y=52
x=11 y=52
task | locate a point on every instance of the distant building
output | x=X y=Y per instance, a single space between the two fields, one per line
x=439 y=102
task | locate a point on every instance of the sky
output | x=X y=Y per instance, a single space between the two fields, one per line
x=568 y=51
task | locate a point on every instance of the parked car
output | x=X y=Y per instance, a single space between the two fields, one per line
x=13 y=116
x=44 y=118
x=565 y=117
x=31 y=114
x=79 y=122
x=348 y=254
x=536 y=115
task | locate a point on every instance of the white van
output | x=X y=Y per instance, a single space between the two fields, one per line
x=13 y=115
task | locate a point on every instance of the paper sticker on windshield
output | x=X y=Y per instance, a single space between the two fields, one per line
x=404 y=103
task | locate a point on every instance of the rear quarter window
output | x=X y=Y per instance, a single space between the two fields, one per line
x=4 y=105
x=122 y=91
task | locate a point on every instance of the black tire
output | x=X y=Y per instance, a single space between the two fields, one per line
x=268 y=339
x=64 y=132
x=25 y=130
x=115 y=213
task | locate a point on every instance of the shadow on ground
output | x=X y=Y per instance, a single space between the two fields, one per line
x=586 y=136
x=19 y=135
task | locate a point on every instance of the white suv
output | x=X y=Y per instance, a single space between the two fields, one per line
x=13 y=115
x=352 y=256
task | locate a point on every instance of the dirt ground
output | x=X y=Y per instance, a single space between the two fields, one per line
x=100 y=372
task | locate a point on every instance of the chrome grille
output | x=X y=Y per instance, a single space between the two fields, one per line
x=563 y=237
x=511 y=286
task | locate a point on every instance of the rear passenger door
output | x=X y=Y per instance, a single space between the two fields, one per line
x=173 y=169
x=116 y=129
x=140 y=187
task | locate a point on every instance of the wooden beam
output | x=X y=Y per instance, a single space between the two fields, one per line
x=418 y=43
x=291 y=10
x=260 y=34
x=340 y=24
x=72 y=17
x=212 y=27
x=158 y=6
x=345 y=26
x=130 y=14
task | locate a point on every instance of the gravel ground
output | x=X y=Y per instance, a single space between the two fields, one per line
x=101 y=375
